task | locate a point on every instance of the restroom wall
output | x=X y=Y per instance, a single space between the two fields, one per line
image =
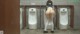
x=75 y=3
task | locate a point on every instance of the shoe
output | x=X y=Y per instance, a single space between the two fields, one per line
x=45 y=31
x=52 y=31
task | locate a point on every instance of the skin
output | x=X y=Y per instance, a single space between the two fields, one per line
x=49 y=13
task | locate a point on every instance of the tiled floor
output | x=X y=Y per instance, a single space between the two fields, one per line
x=40 y=31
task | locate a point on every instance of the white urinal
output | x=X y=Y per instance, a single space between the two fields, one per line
x=21 y=18
x=32 y=18
x=63 y=18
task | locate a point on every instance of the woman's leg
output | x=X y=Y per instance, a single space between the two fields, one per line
x=46 y=25
x=52 y=26
x=52 y=29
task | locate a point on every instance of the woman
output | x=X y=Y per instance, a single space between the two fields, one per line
x=50 y=14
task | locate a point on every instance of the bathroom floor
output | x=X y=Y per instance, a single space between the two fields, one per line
x=40 y=31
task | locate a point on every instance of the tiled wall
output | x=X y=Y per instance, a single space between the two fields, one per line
x=55 y=2
x=76 y=4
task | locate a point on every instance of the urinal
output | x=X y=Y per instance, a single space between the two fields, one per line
x=32 y=18
x=21 y=18
x=63 y=18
